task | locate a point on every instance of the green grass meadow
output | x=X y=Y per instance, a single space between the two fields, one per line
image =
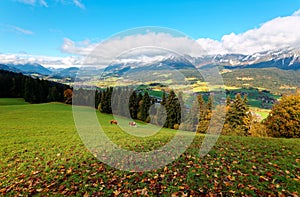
x=10 y=101
x=42 y=154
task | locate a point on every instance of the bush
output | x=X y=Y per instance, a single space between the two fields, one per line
x=233 y=131
x=176 y=126
x=258 y=129
x=148 y=119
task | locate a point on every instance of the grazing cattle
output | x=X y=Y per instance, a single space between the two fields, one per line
x=132 y=124
x=113 y=122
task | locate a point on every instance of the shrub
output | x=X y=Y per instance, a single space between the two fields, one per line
x=258 y=129
x=176 y=126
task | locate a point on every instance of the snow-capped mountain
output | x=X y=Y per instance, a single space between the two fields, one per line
x=149 y=63
x=286 y=58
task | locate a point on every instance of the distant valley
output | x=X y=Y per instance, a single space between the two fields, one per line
x=276 y=70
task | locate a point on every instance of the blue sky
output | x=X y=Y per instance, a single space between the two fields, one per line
x=41 y=27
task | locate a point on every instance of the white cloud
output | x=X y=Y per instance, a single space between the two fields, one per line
x=34 y=2
x=20 y=30
x=47 y=61
x=277 y=33
x=296 y=13
x=211 y=46
x=43 y=3
x=30 y=2
x=116 y=46
x=81 y=48
x=79 y=4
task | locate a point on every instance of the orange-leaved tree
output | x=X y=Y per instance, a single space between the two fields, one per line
x=284 y=119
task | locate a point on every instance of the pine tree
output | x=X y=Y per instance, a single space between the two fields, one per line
x=192 y=119
x=161 y=115
x=105 y=104
x=116 y=99
x=146 y=103
x=163 y=101
x=205 y=114
x=13 y=88
x=133 y=105
x=52 y=94
x=228 y=101
x=33 y=90
x=182 y=108
x=237 y=117
x=97 y=98
x=173 y=110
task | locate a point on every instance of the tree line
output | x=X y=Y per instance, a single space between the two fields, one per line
x=33 y=90
x=135 y=104
x=170 y=111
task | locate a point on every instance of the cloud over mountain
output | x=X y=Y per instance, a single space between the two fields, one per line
x=47 y=61
x=277 y=33
x=115 y=46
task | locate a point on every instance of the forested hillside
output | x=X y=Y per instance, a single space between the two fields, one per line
x=275 y=80
x=33 y=90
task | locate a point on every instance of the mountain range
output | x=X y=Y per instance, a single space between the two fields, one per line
x=285 y=59
x=37 y=69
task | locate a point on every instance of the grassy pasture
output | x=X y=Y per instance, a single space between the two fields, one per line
x=42 y=154
x=262 y=112
x=12 y=101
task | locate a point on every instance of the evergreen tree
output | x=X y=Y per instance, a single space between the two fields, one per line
x=36 y=91
x=52 y=94
x=105 y=104
x=33 y=90
x=180 y=116
x=133 y=105
x=97 y=98
x=237 y=117
x=146 y=103
x=192 y=119
x=116 y=100
x=161 y=115
x=27 y=92
x=163 y=101
x=228 y=101
x=173 y=110
x=204 y=114
x=13 y=88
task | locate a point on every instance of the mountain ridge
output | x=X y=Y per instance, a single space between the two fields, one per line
x=285 y=58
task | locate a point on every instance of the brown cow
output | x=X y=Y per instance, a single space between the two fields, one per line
x=113 y=122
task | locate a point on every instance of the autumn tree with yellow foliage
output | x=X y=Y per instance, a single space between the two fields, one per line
x=284 y=119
